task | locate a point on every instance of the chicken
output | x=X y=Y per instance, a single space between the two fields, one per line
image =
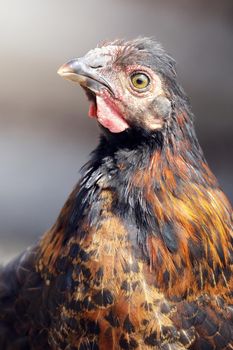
x=141 y=255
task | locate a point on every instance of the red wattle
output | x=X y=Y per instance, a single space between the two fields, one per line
x=92 y=113
x=109 y=116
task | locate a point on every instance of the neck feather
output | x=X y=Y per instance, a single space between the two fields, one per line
x=162 y=187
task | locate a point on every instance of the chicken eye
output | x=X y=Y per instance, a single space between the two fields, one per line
x=140 y=81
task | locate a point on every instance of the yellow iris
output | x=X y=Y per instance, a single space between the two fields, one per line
x=140 y=80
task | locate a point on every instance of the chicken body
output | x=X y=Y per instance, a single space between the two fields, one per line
x=140 y=256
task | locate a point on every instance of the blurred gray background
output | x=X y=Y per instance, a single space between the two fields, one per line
x=45 y=135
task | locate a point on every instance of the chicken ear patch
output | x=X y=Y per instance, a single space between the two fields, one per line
x=109 y=116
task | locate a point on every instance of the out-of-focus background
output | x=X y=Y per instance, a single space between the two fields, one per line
x=45 y=135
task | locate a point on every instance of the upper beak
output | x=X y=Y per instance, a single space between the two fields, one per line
x=78 y=71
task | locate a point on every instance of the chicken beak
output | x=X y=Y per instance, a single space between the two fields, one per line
x=74 y=70
x=88 y=77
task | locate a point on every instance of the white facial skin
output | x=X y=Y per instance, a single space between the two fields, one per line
x=137 y=103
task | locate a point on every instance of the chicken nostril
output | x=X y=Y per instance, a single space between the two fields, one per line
x=96 y=67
